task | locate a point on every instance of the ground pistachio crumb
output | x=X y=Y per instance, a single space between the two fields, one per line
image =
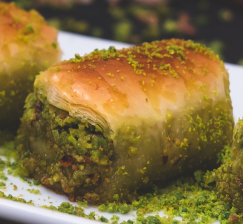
x=112 y=207
x=127 y=222
x=83 y=204
x=34 y=191
x=2 y=176
x=103 y=219
x=24 y=179
x=153 y=220
x=36 y=182
x=124 y=208
x=12 y=198
x=114 y=219
x=102 y=208
x=2 y=184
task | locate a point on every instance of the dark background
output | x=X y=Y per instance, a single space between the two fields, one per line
x=216 y=23
x=5 y=221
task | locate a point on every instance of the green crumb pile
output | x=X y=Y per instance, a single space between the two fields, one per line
x=68 y=208
x=24 y=179
x=194 y=201
x=10 y=155
x=12 y=168
x=34 y=191
x=114 y=219
x=83 y=204
x=2 y=176
x=36 y=182
x=229 y=176
x=127 y=222
x=103 y=219
x=123 y=208
x=17 y=199
x=2 y=184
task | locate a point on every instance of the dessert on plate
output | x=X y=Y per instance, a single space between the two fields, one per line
x=27 y=46
x=114 y=121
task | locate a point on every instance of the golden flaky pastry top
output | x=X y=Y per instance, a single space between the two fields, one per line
x=25 y=36
x=145 y=82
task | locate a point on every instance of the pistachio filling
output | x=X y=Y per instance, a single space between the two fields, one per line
x=72 y=156
x=65 y=153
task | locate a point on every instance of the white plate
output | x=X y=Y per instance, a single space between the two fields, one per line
x=71 y=44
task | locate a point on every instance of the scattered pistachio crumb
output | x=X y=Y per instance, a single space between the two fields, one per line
x=34 y=191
